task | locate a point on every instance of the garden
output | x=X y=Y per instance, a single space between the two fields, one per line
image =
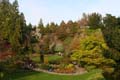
x=86 y=49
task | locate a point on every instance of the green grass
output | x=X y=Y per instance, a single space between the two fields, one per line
x=49 y=57
x=53 y=57
x=31 y=75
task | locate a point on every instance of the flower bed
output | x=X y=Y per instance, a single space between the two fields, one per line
x=62 y=68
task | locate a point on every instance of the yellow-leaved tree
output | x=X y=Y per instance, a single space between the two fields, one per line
x=91 y=52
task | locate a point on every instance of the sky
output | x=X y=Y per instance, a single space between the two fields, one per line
x=58 y=10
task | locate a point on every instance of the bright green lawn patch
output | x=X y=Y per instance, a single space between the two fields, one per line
x=53 y=57
x=31 y=75
x=49 y=57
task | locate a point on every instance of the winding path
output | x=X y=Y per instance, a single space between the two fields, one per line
x=78 y=71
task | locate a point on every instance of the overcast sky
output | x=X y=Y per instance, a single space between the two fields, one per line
x=57 y=10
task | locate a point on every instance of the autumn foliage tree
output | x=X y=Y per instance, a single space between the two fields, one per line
x=91 y=52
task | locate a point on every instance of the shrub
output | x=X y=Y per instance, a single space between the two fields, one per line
x=89 y=68
x=54 y=62
x=65 y=68
x=46 y=66
x=108 y=69
x=70 y=66
x=59 y=47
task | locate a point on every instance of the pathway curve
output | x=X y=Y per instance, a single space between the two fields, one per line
x=78 y=72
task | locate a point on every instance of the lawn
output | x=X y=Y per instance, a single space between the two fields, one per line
x=49 y=57
x=31 y=75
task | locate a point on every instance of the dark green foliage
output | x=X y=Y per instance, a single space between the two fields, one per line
x=46 y=66
x=13 y=26
x=58 y=61
x=118 y=21
x=95 y=20
x=41 y=27
x=52 y=27
x=111 y=33
x=110 y=21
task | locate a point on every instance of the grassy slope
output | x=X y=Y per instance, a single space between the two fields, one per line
x=44 y=76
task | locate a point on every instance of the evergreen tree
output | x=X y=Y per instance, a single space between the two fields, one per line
x=12 y=25
x=95 y=20
x=41 y=27
x=109 y=21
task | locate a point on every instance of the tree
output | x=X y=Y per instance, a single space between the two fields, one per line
x=118 y=21
x=95 y=20
x=84 y=21
x=44 y=47
x=61 y=31
x=13 y=32
x=52 y=27
x=41 y=27
x=111 y=31
x=72 y=28
x=9 y=14
x=91 y=52
x=109 y=21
